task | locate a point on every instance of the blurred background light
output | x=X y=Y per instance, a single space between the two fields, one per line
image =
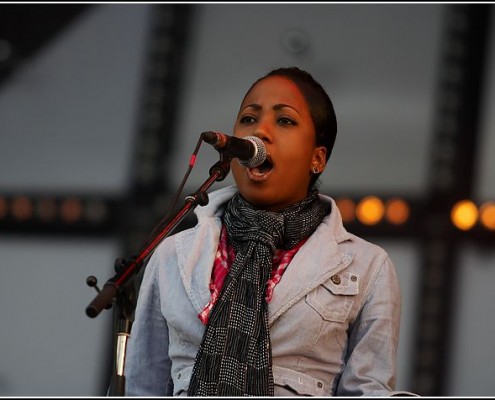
x=22 y=208
x=464 y=214
x=71 y=210
x=4 y=207
x=370 y=210
x=487 y=215
x=347 y=209
x=397 y=211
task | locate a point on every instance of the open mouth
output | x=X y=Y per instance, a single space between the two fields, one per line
x=261 y=172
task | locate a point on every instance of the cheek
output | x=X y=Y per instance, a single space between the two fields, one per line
x=238 y=130
x=300 y=158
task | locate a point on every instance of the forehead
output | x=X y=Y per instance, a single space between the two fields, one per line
x=276 y=89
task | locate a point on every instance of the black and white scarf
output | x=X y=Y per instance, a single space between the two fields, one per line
x=234 y=358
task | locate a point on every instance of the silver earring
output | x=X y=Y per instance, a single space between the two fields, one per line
x=315 y=170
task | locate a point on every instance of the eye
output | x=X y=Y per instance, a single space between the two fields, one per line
x=286 y=121
x=247 y=119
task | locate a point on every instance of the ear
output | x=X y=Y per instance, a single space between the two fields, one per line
x=319 y=159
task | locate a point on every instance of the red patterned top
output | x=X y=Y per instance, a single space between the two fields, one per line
x=221 y=266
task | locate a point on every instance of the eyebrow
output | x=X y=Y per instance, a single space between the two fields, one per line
x=276 y=107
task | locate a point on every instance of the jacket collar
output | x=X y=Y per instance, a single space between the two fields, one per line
x=313 y=264
x=197 y=247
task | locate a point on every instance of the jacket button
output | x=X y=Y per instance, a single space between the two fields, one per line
x=335 y=279
x=319 y=384
x=354 y=278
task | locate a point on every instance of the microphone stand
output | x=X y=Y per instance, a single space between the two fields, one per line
x=116 y=289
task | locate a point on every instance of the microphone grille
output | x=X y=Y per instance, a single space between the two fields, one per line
x=260 y=153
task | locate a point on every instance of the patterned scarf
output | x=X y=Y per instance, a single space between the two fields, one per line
x=234 y=358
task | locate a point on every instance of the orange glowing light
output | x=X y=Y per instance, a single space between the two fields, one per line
x=22 y=208
x=397 y=211
x=370 y=210
x=71 y=210
x=464 y=214
x=4 y=207
x=487 y=215
x=347 y=209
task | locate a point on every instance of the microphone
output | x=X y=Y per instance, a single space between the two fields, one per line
x=249 y=151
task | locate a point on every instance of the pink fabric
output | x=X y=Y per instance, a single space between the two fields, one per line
x=221 y=266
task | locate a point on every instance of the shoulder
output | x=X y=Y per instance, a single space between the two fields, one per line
x=348 y=241
x=216 y=203
x=368 y=258
x=208 y=217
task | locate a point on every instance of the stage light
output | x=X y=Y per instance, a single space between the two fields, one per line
x=464 y=214
x=71 y=210
x=4 y=207
x=487 y=215
x=347 y=209
x=22 y=208
x=397 y=211
x=370 y=210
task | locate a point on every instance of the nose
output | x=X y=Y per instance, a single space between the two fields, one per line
x=263 y=132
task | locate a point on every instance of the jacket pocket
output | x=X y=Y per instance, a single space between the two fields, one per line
x=290 y=382
x=333 y=299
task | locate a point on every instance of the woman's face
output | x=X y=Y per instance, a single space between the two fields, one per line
x=276 y=112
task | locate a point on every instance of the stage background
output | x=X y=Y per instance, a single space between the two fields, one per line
x=72 y=128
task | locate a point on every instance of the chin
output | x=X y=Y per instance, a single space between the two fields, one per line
x=256 y=196
x=262 y=199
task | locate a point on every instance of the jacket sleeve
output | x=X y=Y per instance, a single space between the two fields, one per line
x=147 y=364
x=370 y=367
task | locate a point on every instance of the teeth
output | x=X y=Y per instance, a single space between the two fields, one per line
x=258 y=176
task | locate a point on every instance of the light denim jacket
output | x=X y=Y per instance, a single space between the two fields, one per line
x=334 y=316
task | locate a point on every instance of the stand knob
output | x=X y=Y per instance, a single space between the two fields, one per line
x=92 y=282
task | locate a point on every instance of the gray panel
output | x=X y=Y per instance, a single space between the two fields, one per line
x=67 y=117
x=49 y=347
x=472 y=351
x=485 y=185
